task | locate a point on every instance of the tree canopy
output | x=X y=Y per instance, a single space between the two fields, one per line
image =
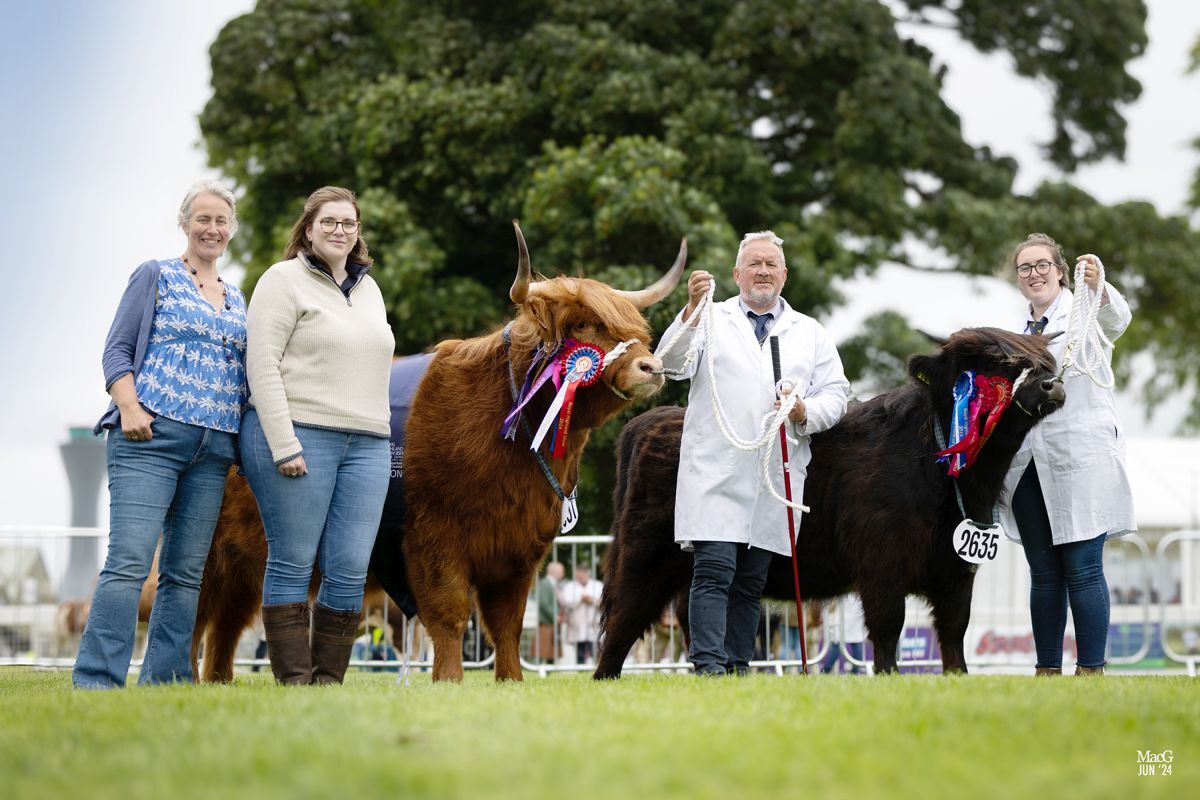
x=614 y=127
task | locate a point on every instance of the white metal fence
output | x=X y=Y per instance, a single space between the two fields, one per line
x=1155 y=615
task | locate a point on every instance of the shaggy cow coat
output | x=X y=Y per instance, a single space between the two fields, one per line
x=883 y=510
x=480 y=513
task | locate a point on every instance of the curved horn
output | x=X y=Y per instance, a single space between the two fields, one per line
x=520 y=287
x=662 y=287
x=940 y=341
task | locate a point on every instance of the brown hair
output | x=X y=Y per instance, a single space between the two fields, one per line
x=298 y=241
x=1056 y=255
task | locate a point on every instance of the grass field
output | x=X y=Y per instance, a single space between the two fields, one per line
x=567 y=738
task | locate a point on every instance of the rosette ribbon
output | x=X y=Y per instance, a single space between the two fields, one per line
x=580 y=365
x=979 y=402
x=550 y=367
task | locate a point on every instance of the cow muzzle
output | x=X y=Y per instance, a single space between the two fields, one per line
x=642 y=377
x=1056 y=395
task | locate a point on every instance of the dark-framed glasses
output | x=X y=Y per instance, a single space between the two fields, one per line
x=329 y=225
x=1023 y=270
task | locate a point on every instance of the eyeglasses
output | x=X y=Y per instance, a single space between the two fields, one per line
x=329 y=225
x=1042 y=268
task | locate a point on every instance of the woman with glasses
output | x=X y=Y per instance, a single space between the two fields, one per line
x=174 y=364
x=1067 y=491
x=315 y=439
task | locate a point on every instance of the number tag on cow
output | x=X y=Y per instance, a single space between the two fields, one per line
x=570 y=512
x=975 y=543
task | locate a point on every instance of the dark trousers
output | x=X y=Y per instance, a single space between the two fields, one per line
x=724 y=605
x=1073 y=571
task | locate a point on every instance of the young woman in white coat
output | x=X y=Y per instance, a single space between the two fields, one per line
x=723 y=510
x=1067 y=490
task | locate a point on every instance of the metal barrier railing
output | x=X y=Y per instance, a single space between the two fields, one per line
x=1184 y=539
x=29 y=630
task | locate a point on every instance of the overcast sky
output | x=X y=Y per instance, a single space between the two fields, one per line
x=100 y=138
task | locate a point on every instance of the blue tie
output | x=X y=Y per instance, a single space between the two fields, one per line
x=761 y=323
x=1037 y=327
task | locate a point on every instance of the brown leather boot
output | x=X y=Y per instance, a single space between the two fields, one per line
x=286 y=626
x=1081 y=670
x=333 y=639
x=1040 y=671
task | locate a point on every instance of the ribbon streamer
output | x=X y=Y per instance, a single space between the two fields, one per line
x=581 y=365
x=979 y=402
x=509 y=429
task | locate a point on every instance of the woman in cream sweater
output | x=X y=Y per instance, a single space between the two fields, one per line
x=314 y=441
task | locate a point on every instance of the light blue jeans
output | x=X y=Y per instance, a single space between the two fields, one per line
x=329 y=516
x=170 y=485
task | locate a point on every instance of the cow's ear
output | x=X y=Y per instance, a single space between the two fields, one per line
x=541 y=311
x=926 y=369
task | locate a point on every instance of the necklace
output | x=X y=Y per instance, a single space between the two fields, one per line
x=200 y=283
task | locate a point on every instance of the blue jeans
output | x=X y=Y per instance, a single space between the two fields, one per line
x=331 y=514
x=171 y=486
x=1073 y=571
x=725 y=604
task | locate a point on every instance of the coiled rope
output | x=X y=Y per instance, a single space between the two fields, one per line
x=1084 y=333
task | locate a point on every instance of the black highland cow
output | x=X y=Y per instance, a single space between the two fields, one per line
x=883 y=510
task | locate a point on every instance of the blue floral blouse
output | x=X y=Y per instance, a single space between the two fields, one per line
x=195 y=365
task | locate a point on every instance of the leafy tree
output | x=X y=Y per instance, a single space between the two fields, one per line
x=614 y=127
x=1195 y=66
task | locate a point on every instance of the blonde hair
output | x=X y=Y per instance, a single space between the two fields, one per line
x=298 y=241
x=217 y=190
x=1056 y=255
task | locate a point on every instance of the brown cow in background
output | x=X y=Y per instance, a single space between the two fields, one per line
x=480 y=515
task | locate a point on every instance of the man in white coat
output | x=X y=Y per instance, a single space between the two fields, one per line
x=1066 y=491
x=581 y=600
x=723 y=509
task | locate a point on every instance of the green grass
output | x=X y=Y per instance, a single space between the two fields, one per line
x=567 y=738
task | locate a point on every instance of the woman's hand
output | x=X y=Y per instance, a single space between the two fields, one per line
x=294 y=468
x=1091 y=270
x=135 y=424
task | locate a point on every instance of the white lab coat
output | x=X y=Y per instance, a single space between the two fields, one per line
x=583 y=619
x=1080 y=449
x=720 y=494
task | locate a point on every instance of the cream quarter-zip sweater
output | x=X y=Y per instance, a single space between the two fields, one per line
x=317 y=357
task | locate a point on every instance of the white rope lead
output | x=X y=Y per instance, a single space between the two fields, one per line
x=770 y=422
x=1084 y=333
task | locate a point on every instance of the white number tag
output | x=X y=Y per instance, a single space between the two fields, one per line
x=977 y=543
x=570 y=512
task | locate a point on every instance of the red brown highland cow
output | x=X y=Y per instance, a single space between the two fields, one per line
x=480 y=515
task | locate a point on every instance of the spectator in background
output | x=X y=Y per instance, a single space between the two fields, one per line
x=847 y=636
x=580 y=599
x=548 y=612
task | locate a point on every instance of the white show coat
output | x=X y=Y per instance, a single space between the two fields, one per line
x=720 y=495
x=583 y=619
x=1079 y=450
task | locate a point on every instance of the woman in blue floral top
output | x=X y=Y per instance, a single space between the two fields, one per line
x=174 y=364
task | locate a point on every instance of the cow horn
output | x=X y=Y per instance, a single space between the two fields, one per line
x=662 y=287
x=937 y=340
x=520 y=287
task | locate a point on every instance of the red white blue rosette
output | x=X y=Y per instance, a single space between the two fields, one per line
x=582 y=363
x=581 y=367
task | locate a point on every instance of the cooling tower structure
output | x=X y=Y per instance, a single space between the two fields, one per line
x=84 y=457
